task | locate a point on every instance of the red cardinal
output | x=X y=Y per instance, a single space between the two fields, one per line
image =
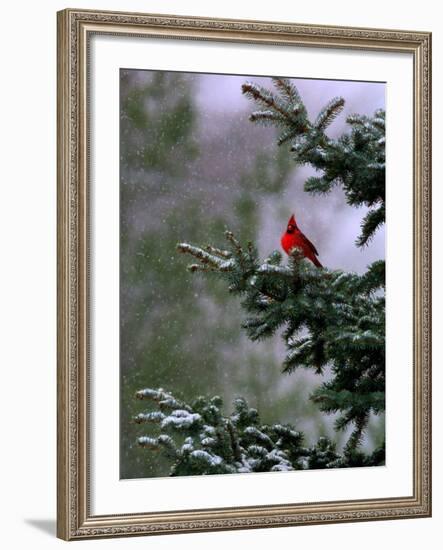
x=293 y=237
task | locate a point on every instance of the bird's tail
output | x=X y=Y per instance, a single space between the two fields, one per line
x=316 y=262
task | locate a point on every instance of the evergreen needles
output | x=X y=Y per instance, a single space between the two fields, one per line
x=198 y=439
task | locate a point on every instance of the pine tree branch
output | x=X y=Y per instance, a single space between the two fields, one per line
x=328 y=114
x=370 y=223
x=211 y=261
x=239 y=443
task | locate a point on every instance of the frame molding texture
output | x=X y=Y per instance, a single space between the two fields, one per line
x=74 y=519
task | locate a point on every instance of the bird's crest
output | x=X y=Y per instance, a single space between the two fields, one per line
x=292 y=222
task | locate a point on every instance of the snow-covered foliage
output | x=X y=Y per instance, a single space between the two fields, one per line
x=205 y=441
x=212 y=443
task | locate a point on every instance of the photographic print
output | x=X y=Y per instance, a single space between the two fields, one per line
x=252 y=274
x=225 y=359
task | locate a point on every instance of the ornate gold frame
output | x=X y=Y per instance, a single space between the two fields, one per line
x=74 y=518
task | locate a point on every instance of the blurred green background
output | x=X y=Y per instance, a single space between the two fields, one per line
x=191 y=166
